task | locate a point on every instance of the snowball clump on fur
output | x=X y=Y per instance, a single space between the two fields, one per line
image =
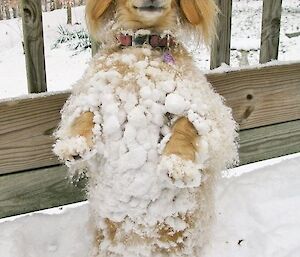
x=135 y=98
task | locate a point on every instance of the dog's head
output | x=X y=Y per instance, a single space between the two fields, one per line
x=198 y=16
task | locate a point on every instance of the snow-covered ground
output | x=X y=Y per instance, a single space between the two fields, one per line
x=258 y=210
x=64 y=68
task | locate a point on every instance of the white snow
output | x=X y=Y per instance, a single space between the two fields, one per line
x=259 y=206
x=246 y=44
x=64 y=69
x=184 y=173
x=176 y=104
x=56 y=232
x=261 y=210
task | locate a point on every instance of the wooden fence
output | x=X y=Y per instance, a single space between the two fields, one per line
x=265 y=102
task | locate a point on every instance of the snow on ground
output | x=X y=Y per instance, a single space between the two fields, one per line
x=258 y=213
x=64 y=68
x=258 y=210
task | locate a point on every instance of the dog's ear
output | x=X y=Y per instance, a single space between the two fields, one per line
x=190 y=12
x=202 y=14
x=94 y=10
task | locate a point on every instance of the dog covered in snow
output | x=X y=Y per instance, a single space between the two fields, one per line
x=147 y=129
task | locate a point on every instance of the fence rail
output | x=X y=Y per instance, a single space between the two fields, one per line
x=258 y=97
x=265 y=101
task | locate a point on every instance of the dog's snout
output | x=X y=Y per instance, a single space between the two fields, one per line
x=154 y=3
x=150 y=5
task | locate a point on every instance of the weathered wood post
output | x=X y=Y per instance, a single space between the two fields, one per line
x=270 y=30
x=220 y=50
x=1 y=11
x=34 y=45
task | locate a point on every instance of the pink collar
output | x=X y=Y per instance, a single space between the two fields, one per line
x=155 y=41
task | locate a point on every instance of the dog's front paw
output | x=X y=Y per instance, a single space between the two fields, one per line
x=71 y=148
x=179 y=172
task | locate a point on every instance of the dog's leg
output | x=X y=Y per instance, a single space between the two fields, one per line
x=179 y=156
x=183 y=141
x=75 y=138
x=83 y=126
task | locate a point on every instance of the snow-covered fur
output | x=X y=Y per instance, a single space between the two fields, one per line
x=144 y=202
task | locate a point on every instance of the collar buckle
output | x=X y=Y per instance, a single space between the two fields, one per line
x=153 y=40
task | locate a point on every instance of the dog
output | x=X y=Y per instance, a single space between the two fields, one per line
x=147 y=129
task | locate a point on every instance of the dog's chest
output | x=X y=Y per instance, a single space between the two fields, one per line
x=136 y=97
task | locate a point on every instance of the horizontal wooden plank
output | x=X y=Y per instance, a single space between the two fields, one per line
x=26 y=128
x=40 y=189
x=270 y=141
x=258 y=97
x=261 y=97
x=36 y=190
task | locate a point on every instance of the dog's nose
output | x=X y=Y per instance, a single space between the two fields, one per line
x=150 y=1
x=154 y=4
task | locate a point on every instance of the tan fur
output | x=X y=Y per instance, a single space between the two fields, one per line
x=183 y=141
x=112 y=228
x=128 y=16
x=165 y=232
x=190 y=12
x=94 y=10
x=207 y=11
x=199 y=16
x=82 y=126
x=168 y=235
